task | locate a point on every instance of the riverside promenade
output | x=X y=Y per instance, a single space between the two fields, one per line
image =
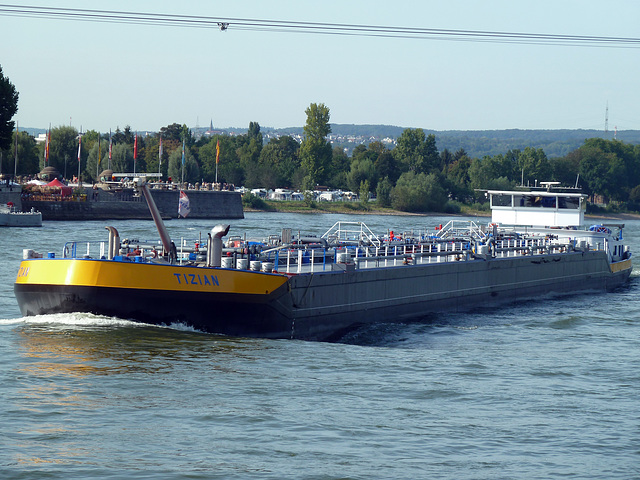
x=125 y=204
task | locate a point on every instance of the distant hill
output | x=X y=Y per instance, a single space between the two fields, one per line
x=555 y=143
x=477 y=143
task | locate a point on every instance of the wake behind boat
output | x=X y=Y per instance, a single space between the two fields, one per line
x=296 y=286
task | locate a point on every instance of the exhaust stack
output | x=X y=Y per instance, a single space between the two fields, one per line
x=214 y=249
x=114 y=243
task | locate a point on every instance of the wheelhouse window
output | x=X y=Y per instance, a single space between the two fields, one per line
x=534 y=201
x=529 y=201
x=548 y=202
x=500 y=200
x=572 y=203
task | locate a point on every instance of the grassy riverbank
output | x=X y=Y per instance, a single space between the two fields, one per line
x=356 y=208
x=339 y=207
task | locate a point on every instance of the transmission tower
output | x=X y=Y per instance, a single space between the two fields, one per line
x=606 y=119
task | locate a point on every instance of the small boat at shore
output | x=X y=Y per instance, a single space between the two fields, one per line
x=11 y=217
x=318 y=288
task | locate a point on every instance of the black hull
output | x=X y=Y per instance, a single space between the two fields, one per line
x=235 y=315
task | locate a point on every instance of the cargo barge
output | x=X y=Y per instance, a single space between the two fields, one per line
x=318 y=288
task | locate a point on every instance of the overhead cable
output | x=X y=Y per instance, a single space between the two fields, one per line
x=285 y=26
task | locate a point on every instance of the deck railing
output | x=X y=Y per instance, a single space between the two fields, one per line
x=296 y=259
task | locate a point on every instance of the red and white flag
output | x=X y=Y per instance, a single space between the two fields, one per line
x=183 y=205
x=135 y=148
x=46 y=148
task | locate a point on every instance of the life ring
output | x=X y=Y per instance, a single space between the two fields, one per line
x=153 y=254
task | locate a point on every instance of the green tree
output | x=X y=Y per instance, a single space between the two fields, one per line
x=446 y=159
x=609 y=167
x=279 y=161
x=118 y=136
x=363 y=192
x=458 y=180
x=250 y=146
x=340 y=166
x=92 y=143
x=63 y=150
x=229 y=168
x=604 y=173
x=207 y=154
x=534 y=166
x=8 y=108
x=254 y=133
x=416 y=151
x=419 y=192
x=566 y=169
x=383 y=192
x=315 y=151
x=362 y=169
x=491 y=173
x=28 y=155
x=151 y=152
x=140 y=165
x=634 y=199
x=385 y=163
x=191 y=168
x=172 y=132
x=121 y=158
x=91 y=173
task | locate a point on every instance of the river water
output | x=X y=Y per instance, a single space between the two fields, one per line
x=536 y=390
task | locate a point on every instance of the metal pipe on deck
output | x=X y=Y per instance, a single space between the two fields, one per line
x=114 y=242
x=141 y=183
x=214 y=247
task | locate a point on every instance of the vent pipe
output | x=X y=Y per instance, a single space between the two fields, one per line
x=214 y=248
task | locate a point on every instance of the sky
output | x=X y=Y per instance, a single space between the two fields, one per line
x=101 y=76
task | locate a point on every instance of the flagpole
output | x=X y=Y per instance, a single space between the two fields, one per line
x=98 y=162
x=160 y=159
x=15 y=164
x=79 y=150
x=48 y=143
x=110 y=146
x=217 y=158
x=182 y=181
x=135 y=153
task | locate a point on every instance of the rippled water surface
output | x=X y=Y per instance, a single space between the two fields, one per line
x=537 y=390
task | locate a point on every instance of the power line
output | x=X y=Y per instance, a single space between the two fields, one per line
x=284 y=26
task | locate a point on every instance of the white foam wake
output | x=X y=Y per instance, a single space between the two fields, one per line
x=71 y=319
x=90 y=320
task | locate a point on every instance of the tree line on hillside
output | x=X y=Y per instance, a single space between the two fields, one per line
x=414 y=176
x=477 y=143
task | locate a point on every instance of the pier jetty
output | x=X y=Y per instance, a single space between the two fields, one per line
x=103 y=202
